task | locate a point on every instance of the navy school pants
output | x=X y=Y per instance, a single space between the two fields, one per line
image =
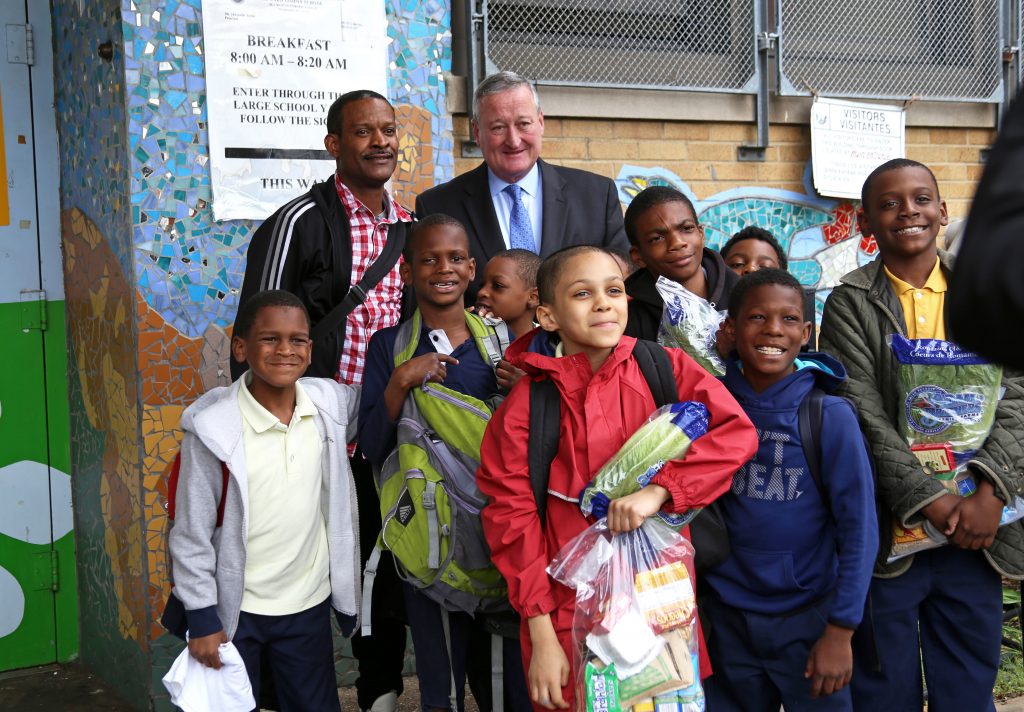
x=432 y=665
x=299 y=649
x=945 y=611
x=759 y=660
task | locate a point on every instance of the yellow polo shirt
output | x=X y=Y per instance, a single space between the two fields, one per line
x=922 y=307
x=286 y=561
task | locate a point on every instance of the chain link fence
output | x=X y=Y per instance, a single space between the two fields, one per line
x=664 y=44
x=873 y=49
x=929 y=49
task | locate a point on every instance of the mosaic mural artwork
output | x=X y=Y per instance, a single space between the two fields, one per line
x=188 y=267
x=819 y=235
x=101 y=355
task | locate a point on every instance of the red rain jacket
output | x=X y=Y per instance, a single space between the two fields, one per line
x=599 y=413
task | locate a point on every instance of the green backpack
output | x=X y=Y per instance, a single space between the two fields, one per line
x=429 y=502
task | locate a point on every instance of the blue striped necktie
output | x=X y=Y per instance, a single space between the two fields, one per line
x=520 y=231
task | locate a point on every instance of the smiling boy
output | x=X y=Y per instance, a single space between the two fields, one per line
x=286 y=552
x=604 y=399
x=439 y=269
x=943 y=605
x=785 y=603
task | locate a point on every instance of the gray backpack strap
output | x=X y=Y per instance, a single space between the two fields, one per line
x=446 y=626
x=369 y=575
x=497 y=673
x=495 y=346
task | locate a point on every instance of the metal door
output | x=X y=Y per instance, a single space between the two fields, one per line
x=37 y=589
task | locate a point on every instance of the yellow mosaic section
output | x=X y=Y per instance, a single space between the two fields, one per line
x=99 y=301
x=161 y=440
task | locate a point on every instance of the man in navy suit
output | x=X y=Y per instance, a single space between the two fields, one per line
x=514 y=199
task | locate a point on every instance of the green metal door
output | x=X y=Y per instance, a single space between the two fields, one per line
x=38 y=613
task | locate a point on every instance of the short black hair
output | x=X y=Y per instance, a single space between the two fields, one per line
x=647 y=199
x=552 y=267
x=894 y=164
x=761 y=278
x=421 y=226
x=334 y=121
x=527 y=263
x=248 y=312
x=754 y=232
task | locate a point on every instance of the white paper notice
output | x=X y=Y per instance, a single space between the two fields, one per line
x=849 y=140
x=273 y=68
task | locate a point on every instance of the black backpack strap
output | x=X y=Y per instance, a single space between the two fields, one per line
x=809 y=417
x=545 y=417
x=384 y=263
x=657 y=370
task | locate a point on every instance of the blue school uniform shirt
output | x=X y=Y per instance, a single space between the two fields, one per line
x=473 y=376
x=789 y=549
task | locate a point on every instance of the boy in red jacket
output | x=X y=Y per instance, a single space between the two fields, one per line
x=604 y=399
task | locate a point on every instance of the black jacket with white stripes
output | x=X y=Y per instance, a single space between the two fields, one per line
x=305 y=248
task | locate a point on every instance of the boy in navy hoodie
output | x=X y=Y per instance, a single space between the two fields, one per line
x=784 y=606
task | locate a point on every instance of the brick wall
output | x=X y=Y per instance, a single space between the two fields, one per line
x=704 y=154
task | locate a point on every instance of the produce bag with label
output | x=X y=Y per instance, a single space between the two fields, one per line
x=948 y=406
x=635 y=624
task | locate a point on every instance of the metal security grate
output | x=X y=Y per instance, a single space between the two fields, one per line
x=685 y=44
x=931 y=49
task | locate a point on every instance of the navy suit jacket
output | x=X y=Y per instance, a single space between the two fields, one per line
x=579 y=208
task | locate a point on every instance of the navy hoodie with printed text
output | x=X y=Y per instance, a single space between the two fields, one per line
x=790 y=550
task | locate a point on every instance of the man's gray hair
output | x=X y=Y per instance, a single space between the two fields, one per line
x=499 y=83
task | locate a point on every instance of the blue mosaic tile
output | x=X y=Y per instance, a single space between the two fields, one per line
x=818 y=234
x=170 y=153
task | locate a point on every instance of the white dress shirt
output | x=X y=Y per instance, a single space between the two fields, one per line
x=532 y=201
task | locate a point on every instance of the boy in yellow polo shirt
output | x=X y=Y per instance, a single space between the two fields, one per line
x=943 y=605
x=287 y=550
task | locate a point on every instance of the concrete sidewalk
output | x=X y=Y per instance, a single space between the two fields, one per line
x=72 y=688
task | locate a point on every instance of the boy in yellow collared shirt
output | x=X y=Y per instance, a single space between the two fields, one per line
x=922 y=306
x=265 y=570
x=942 y=606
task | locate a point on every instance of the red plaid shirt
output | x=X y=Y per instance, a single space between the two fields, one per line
x=383 y=305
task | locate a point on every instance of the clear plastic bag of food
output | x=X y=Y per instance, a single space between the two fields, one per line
x=635 y=625
x=949 y=397
x=667 y=435
x=690 y=323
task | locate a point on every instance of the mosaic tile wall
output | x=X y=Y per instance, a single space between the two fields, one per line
x=819 y=235
x=188 y=268
x=96 y=236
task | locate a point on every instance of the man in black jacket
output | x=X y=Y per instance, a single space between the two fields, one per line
x=337 y=248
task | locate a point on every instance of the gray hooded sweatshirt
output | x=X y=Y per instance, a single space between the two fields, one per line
x=208 y=562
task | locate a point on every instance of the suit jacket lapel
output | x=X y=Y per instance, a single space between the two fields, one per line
x=482 y=218
x=555 y=210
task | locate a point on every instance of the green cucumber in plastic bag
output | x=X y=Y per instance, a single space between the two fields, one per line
x=667 y=435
